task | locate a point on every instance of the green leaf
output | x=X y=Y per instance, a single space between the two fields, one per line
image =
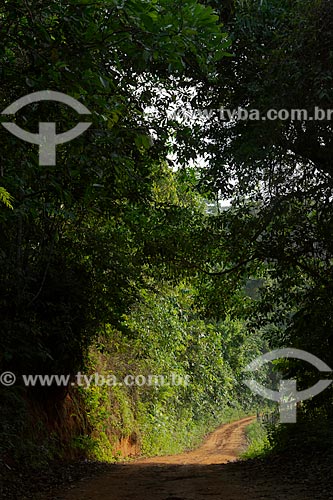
x=6 y=198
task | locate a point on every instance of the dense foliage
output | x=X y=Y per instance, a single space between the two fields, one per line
x=95 y=201
x=113 y=260
x=279 y=173
x=98 y=234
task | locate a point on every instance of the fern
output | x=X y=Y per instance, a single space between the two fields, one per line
x=6 y=198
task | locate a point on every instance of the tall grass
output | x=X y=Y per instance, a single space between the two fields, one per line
x=257 y=439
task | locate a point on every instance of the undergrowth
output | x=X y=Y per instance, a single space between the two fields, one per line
x=257 y=439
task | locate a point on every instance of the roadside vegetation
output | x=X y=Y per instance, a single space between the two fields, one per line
x=257 y=441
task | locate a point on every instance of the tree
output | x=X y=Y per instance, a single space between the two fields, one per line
x=70 y=249
x=279 y=172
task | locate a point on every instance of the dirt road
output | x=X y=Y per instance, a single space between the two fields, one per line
x=177 y=477
x=210 y=472
x=223 y=445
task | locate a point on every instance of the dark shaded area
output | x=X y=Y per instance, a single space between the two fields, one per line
x=284 y=476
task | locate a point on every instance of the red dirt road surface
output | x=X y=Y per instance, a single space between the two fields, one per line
x=210 y=472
